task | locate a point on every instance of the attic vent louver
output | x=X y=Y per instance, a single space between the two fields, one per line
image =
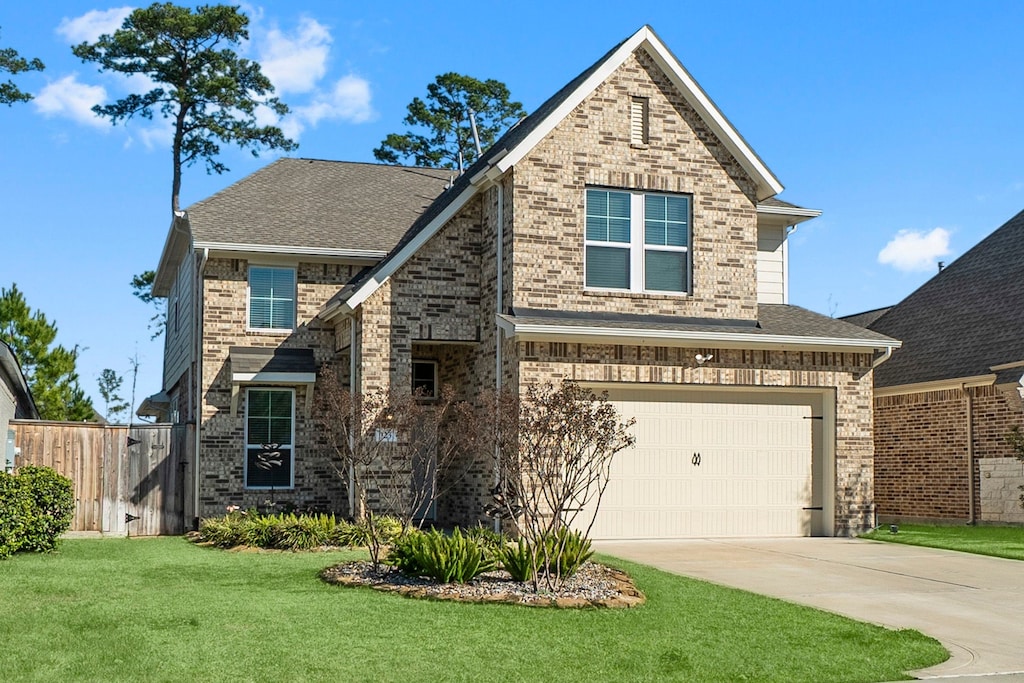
x=638 y=126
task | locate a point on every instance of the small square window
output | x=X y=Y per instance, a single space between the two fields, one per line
x=424 y=378
x=271 y=298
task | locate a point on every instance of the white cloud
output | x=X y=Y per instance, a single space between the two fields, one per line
x=911 y=250
x=295 y=62
x=349 y=100
x=92 y=24
x=71 y=99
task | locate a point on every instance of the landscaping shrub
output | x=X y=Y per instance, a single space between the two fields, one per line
x=490 y=540
x=52 y=505
x=560 y=554
x=357 y=535
x=517 y=559
x=443 y=558
x=305 y=532
x=36 y=505
x=15 y=508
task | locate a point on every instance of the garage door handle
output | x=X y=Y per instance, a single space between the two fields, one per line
x=817 y=507
x=696 y=459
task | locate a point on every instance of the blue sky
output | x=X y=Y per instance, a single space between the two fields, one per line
x=900 y=121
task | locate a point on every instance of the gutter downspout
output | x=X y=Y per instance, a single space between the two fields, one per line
x=197 y=405
x=971 y=512
x=881 y=359
x=351 y=437
x=498 y=333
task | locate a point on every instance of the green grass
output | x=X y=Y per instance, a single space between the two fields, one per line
x=998 y=541
x=165 y=610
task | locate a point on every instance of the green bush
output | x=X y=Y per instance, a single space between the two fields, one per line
x=15 y=509
x=259 y=531
x=36 y=506
x=517 y=559
x=559 y=554
x=445 y=559
x=223 y=532
x=305 y=532
x=53 y=503
x=357 y=534
x=490 y=540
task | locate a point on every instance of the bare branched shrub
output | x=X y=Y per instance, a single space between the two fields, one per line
x=399 y=451
x=555 y=447
x=1016 y=440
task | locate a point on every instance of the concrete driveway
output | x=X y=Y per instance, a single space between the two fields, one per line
x=973 y=604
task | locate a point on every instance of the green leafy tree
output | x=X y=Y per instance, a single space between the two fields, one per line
x=142 y=288
x=440 y=128
x=49 y=369
x=13 y=63
x=115 y=407
x=210 y=93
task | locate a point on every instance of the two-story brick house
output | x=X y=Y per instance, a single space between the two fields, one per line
x=624 y=235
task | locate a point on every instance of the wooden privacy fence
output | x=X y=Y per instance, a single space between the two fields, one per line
x=128 y=480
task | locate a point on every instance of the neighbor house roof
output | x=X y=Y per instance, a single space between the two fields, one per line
x=525 y=135
x=306 y=206
x=12 y=376
x=966 y=319
x=866 y=318
x=777 y=326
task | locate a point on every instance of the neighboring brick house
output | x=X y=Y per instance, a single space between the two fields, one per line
x=624 y=235
x=946 y=400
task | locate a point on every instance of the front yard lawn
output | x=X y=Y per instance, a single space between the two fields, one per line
x=163 y=609
x=998 y=541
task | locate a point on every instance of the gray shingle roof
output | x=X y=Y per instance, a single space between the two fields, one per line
x=964 y=320
x=251 y=359
x=313 y=204
x=865 y=318
x=774 y=320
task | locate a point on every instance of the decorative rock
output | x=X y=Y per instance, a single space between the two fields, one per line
x=594 y=585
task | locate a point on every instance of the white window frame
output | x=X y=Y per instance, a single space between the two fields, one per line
x=248 y=298
x=246 y=445
x=637 y=247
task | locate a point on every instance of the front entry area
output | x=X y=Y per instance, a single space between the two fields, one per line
x=719 y=463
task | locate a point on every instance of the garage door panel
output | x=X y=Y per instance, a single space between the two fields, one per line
x=753 y=478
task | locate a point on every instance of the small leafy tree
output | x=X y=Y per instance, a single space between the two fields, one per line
x=13 y=63
x=400 y=452
x=208 y=91
x=115 y=406
x=440 y=133
x=555 y=450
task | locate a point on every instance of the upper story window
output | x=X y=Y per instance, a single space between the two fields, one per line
x=271 y=298
x=637 y=241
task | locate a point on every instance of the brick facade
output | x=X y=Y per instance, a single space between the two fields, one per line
x=222 y=452
x=542 y=205
x=921 y=452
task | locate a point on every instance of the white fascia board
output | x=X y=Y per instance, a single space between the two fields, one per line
x=371 y=255
x=937 y=385
x=175 y=248
x=654 y=337
x=399 y=259
x=768 y=185
x=274 y=377
x=788 y=211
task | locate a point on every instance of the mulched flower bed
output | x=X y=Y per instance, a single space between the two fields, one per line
x=594 y=585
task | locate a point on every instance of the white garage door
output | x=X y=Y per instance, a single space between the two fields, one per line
x=710 y=464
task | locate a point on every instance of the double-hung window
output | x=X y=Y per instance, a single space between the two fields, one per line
x=269 y=438
x=637 y=241
x=271 y=298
